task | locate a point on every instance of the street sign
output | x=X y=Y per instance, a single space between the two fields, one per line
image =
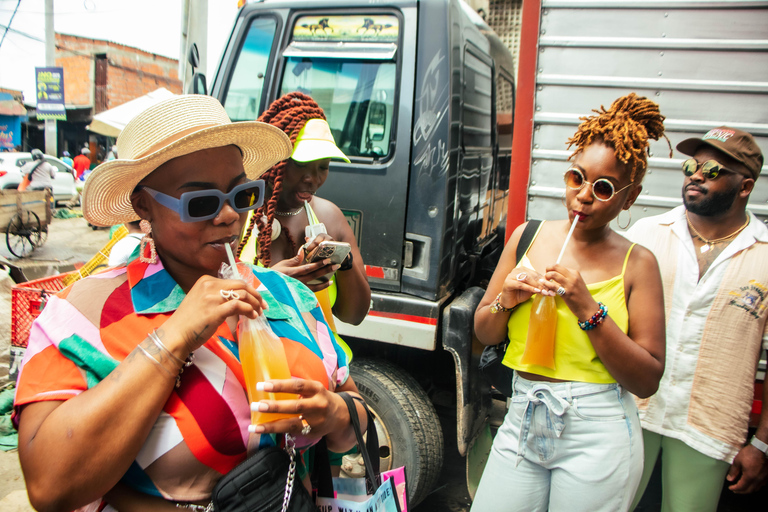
x=50 y=93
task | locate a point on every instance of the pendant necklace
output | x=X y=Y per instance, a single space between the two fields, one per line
x=709 y=243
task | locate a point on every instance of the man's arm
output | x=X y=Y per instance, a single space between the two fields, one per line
x=749 y=471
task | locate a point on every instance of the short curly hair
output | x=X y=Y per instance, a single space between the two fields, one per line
x=625 y=127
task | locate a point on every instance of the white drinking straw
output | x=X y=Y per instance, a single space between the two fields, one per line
x=233 y=263
x=567 y=237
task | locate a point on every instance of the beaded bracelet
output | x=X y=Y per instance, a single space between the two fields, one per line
x=596 y=319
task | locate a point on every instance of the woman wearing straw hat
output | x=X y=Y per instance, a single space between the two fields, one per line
x=132 y=377
x=293 y=205
x=571 y=440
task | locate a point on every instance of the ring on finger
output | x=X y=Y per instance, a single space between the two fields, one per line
x=522 y=276
x=561 y=291
x=306 y=428
x=229 y=294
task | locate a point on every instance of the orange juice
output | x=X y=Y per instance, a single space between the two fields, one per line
x=540 y=345
x=263 y=358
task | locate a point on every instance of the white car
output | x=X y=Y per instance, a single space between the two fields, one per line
x=63 y=184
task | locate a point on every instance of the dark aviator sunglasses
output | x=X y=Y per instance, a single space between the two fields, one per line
x=710 y=169
x=202 y=205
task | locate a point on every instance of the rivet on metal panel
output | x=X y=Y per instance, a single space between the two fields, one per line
x=645 y=209
x=538 y=108
x=535 y=146
x=661 y=54
x=659 y=73
x=663 y=34
x=658 y=93
x=543 y=31
x=540 y=88
x=545 y=12
x=432 y=212
x=533 y=183
x=541 y=70
x=530 y=198
x=666 y=14
x=394 y=263
x=541 y=50
x=535 y=162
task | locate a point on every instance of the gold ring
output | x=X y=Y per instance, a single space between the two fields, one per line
x=306 y=428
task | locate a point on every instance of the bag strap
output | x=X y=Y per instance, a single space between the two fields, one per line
x=526 y=239
x=369 y=449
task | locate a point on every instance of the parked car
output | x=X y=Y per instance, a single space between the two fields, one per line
x=63 y=184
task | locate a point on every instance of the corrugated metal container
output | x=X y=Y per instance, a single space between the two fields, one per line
x=704 y=62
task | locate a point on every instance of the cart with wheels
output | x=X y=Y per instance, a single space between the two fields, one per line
x=26 y=217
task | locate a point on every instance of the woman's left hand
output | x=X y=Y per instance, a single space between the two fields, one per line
x=572 y=288
x=322 y=410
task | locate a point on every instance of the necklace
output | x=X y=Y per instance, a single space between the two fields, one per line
x=709 y=243
x=289 y=213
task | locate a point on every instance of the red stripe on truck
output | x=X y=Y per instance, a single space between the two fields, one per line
x=407 y=318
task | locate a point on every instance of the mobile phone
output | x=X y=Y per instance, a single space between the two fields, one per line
x=336 y=251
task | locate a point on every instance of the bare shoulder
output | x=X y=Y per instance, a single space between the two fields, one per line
x=330 y=215
x=642 y=263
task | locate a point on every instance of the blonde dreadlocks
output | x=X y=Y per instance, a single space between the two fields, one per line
x=625 y=127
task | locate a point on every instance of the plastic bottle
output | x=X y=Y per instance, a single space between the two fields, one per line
x=540 y=345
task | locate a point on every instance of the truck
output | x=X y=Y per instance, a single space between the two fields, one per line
x=455 y=127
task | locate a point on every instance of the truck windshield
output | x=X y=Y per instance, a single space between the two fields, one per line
x=357 y=97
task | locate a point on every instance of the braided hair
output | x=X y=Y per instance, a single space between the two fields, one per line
x=625 y=127
x=289 y=113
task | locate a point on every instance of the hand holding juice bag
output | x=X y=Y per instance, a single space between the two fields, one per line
x=262 y=355
x=540 y=344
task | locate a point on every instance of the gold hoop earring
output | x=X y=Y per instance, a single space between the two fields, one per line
x=562 y=200
x=628 y=221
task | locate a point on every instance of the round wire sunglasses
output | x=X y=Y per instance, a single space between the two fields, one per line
x=202 y=205
x=602 y=189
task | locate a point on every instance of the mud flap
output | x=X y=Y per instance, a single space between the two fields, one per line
x=473 y=397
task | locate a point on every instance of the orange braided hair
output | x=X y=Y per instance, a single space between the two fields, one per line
x=625 y=127
x=289 y=113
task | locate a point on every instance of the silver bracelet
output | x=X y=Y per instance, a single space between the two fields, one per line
x=158 y=363
x=196 y=508
x=156 y=340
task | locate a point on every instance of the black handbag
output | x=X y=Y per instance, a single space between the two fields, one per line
x=263 y=483
x=497 y=374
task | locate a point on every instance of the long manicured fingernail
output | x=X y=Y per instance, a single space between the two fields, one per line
x=537 y=290
x=259 y=407
x=264 y=386
x=255 y=429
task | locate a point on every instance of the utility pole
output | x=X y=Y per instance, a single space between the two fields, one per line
x=51 y=135
x=194 y=29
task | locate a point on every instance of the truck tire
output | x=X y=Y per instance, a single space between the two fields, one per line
x=409 y=430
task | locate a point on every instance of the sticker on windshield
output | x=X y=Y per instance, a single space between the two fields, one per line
x=377 y=28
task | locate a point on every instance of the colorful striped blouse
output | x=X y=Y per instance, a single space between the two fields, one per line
x=87 y=329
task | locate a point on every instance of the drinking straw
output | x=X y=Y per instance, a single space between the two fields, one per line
x=233 y=263
x=567 y=237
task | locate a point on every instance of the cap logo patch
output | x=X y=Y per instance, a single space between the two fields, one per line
x=719 y=134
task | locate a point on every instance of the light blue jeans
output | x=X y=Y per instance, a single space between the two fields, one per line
x=565 y=446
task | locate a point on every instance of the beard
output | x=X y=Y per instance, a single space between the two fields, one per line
x=712 y=203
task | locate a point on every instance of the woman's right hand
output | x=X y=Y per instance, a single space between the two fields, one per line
x=519 y=285
x=204 y=309
x=306 y=272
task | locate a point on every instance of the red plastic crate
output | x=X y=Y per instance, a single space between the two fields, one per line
x=27 y=301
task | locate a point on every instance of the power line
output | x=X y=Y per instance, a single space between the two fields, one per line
x=10 y=22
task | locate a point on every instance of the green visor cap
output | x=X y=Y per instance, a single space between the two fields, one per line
x=315 y=142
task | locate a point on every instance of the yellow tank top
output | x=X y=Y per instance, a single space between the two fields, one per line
x=575 y=357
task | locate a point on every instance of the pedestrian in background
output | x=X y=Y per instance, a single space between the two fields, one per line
x=67 y=159
x=82 y=163
x=38 y=173
x=713 y=255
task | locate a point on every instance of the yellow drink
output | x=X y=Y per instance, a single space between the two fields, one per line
x=540 y=345
x=263 y=358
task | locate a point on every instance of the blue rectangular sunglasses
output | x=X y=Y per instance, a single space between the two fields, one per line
x=206 y=204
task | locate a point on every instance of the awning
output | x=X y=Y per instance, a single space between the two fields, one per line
x=111 y=122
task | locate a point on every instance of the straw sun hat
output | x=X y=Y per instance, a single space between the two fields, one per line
x=175 y=127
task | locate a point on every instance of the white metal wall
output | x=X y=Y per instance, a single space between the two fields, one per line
x=705 y=63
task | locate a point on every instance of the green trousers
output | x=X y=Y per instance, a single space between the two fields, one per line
x=690 y=481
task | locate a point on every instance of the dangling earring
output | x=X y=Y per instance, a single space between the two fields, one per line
x=146 y=228
x=276 y=229
x=628 y=222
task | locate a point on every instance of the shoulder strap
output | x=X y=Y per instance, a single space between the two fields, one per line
x=626 y=259
x=526 y=238
x=370 y=448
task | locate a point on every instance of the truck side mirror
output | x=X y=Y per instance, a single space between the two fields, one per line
x=198 y=84
x=377 y=121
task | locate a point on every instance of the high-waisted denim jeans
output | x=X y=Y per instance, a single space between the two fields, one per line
x=564 y=447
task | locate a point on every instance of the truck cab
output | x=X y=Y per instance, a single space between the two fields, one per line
x=419 y=95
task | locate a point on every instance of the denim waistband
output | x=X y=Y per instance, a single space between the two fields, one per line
x=556 y=397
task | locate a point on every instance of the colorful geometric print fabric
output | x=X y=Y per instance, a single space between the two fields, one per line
x=86 y=330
